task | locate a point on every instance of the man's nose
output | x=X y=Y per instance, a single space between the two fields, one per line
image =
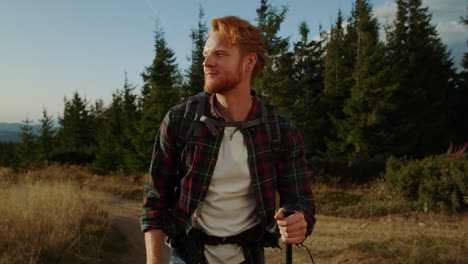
x=209 y=61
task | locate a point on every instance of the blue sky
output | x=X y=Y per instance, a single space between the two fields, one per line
x=51 y=48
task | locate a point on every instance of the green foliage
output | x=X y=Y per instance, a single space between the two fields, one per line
x=458 y=100
x=269 y=20
x=8 y=157
x=342 y=171
x=195 y=73
x=115 y=149
x=159 y=93
x=339 y=64
x=437 y=183
x=362 y=130
x=271 y=81
x=306 y=106
x=422 y=69
x=27 y=150
x=45 y=139
x=77 y=128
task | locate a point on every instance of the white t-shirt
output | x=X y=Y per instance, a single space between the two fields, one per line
x=229 y=206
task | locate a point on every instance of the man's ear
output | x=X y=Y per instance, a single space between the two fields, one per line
x=251 y=60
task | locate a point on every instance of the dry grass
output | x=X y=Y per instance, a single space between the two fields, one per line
x=360 y=201
x=35 y=198
x=402 y=238
x=414 y=238
x=423 y=249
x=48 y=221
x=129 y=187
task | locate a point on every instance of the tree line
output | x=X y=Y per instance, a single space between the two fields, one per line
x=357 y=97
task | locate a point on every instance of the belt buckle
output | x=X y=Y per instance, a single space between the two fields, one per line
x=223 y=240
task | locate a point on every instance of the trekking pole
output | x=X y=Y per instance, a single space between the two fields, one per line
x=288 y=246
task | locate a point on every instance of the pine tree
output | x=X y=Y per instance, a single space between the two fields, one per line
x=45 y=139
x=308 y=110
x=269 y=20
x=131 y=117
x=27 y=150
x=422 y=69
x=458 y=100
x=76 y=137
x=109 y=150
x=195 y=74
x=363 y=130
x=161 y=87
x=115 y=150
x=338 y=78
x=270 y=82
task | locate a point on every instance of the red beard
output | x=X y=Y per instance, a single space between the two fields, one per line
x=223 y=84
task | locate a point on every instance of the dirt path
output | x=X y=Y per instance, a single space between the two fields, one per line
x=124 y=216
x=329 y=242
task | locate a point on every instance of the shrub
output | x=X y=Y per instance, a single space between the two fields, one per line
x=437 y=183
x=344 y=171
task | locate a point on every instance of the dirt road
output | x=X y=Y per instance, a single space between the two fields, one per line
x=329 y=243
x=124 y=216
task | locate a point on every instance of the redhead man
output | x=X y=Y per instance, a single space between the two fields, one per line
x=212 y=192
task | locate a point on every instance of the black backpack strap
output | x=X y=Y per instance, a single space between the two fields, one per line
x=275 y=133
x=270 y=115
x=194 y=110
x=201 y=98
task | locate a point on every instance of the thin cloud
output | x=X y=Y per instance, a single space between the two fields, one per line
x=445 y=16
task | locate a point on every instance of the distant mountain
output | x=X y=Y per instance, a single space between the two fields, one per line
x=6 y=136
x=10 y=131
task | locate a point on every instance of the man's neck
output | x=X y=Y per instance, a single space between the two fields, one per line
x=235 y=105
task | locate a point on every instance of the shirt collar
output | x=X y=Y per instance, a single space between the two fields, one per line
x=253 y=114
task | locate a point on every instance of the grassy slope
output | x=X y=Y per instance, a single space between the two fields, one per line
x=355 y=225
x=50 y=219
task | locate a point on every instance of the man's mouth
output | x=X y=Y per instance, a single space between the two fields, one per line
x=211 y=74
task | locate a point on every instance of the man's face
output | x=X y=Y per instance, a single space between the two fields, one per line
x=222 y=66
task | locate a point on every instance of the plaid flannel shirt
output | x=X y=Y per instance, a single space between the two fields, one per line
x=179 y=179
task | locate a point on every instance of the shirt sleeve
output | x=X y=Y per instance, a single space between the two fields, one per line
x=294 y=186
x=159 y=187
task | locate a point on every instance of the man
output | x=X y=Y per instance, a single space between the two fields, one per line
x=215 y=196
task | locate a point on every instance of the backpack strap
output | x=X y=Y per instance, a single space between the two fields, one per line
x=270 y=115
x=194 y=116
x=194 y=110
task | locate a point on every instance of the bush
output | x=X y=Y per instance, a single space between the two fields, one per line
x=344 y=171
x=437 y=183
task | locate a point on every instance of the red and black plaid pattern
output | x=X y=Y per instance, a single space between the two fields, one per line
x=177 y=185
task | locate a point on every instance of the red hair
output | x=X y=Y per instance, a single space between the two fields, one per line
x=237 y=31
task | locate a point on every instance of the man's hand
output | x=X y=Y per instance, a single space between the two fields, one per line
x=292 y=228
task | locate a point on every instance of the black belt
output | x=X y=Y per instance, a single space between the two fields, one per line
x=194 y=243
x=240 y=239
